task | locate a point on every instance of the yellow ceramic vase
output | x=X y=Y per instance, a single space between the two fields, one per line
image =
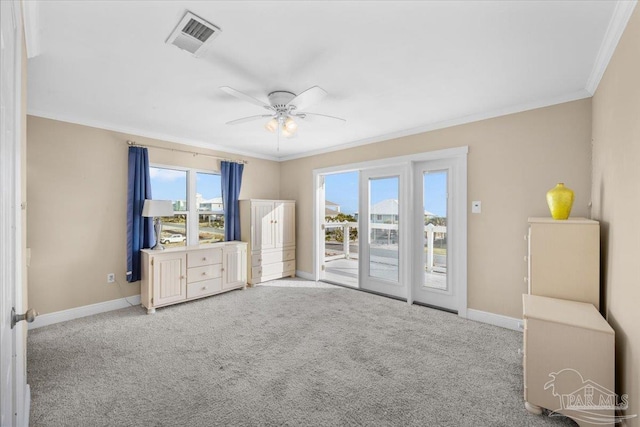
x=560 y=201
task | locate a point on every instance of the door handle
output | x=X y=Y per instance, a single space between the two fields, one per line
x=30 y=315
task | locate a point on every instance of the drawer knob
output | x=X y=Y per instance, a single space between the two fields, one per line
x=204 y=258
x=204 y=273
x=259 y=259
x=222 y=269
x=204 y=288
x=259 y=271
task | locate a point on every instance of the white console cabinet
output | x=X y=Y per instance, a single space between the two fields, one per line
x=180 y=274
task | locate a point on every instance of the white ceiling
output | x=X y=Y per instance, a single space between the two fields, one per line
x=390 y=68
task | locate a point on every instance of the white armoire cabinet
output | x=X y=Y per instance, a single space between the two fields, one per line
x=564 y=259
x=269 y=228
x=184 y=273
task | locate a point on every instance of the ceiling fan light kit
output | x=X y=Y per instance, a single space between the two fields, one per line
x=284 y=107
x=290 y=125
x=272 y=125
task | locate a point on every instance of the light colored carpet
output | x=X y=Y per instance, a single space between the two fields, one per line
x=288 y=355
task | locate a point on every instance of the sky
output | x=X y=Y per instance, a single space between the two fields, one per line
x=342 y=188
x=171 y=184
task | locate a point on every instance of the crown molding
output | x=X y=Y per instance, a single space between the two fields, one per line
x=575 y=96
x=133 y=132
x=617 y=24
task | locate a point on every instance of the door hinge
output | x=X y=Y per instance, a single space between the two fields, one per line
x=152 y=301
x=322 y=226
x=152 y=261
x=322 y=267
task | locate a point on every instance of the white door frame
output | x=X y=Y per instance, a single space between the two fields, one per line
x=460 y=190
x=14 y=391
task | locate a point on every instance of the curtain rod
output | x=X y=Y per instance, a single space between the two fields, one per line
x=135 y=144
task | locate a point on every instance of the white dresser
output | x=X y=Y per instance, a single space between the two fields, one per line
x=180 y=274
x=564 y=259
x=269 y=228
x=569 y=360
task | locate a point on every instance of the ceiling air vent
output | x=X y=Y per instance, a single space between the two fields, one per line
x=193 y=34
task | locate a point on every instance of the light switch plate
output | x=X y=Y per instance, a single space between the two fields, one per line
x=476 y=206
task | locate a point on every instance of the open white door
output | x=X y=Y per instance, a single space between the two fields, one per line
x=13 y=389
x=320 y=194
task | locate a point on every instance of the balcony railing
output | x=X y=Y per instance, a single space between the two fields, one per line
x=430 y=233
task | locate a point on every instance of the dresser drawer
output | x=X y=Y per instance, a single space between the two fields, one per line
x=206 y=272
x=207 y=257
x=204 y=287
x=263 y=258
x=273 y=269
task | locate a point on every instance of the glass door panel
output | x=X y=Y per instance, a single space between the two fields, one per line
x=434 y=199
x=383 y=228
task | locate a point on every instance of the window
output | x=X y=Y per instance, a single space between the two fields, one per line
x=197 y=203
x=171 y=184
x=209 y=207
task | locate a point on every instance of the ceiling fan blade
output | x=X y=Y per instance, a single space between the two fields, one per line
x=243 y=96
x=324 y=116
x=310 y=96
x=248 y=119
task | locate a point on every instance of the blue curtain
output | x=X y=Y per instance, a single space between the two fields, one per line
x=231 y=181
x=139 y=229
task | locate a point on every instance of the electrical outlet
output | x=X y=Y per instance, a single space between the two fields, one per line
x=111 y=278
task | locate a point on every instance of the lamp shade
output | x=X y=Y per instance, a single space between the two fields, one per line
x=154 y=208
x=272 y=125
x=290 y=125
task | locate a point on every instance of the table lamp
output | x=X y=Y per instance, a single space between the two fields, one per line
x=157 y=209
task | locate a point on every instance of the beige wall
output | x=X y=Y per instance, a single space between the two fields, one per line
x=77 y=196
x=616 y=203
x=513 y=160
x=77 y=178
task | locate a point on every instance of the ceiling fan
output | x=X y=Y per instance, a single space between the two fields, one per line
x=284 y=108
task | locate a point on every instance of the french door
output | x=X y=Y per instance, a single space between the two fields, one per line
x=411 y=229
x=383 y=231
x=434 y=233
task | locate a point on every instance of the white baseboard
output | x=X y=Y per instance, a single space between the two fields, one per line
x=494 y=319
x=86 y=310
x=304 y=275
